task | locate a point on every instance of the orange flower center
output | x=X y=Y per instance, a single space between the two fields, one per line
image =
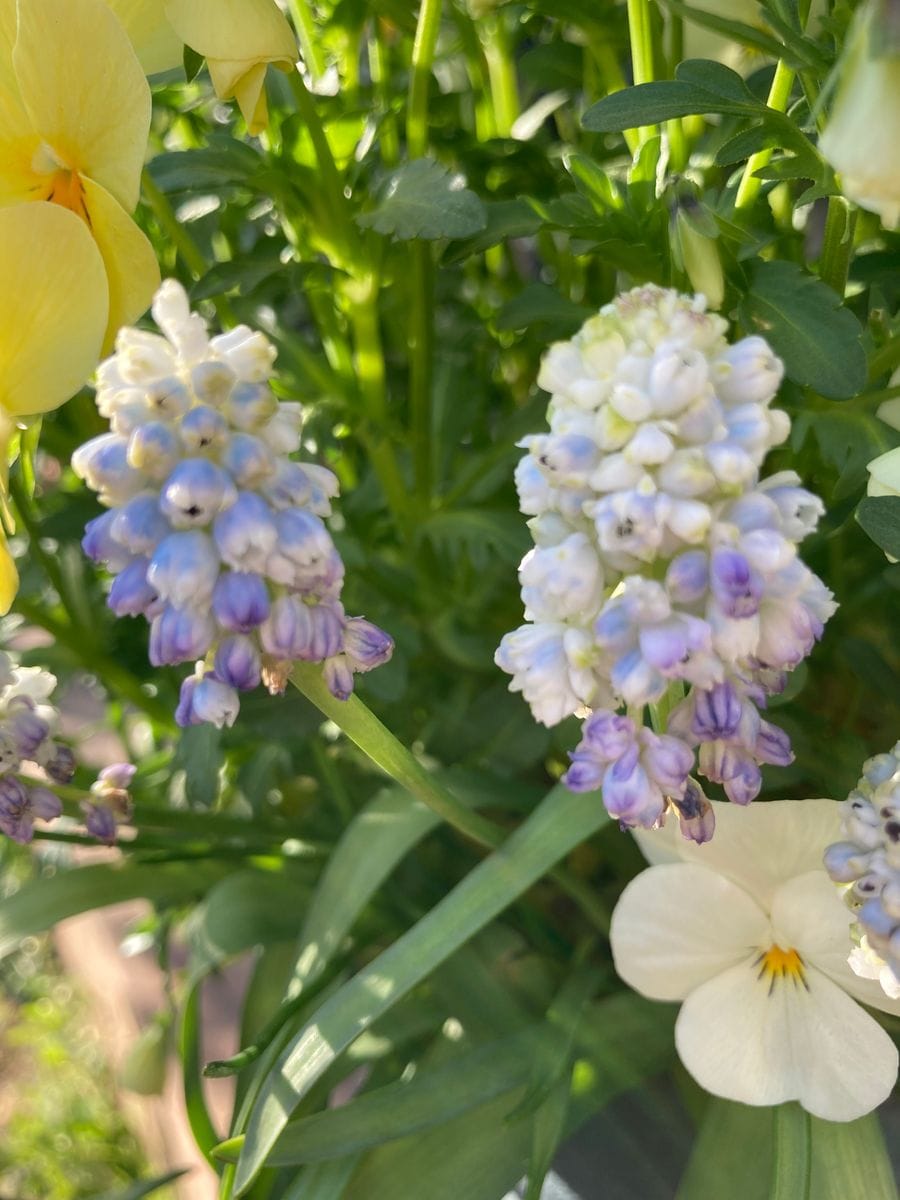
x=66 y=188
x=776 y=964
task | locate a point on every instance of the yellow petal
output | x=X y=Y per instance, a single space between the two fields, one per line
x=53 y=306
x=250 y=31
x=155 y=42
x=84 y=91
x=131 y=267
x=246 y=83
x=9 y=576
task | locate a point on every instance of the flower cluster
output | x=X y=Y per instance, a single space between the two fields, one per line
x=662 y=564
x=868 y=862
x=214 y=534
x=27 y=724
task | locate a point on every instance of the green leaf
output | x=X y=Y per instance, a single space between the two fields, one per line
x=792 y=1167
x=850 y=1159
x=700 y=87
x=200 y=755
x=192 y=62
x=431 y=1097
x=880 y=518
x=144 y=1188
x=481 y=535
x=323 y=1181
x=547 y=1132
x=538 y=303
x=736 y=31
x=224 y=162
x=423 y=199
x=560 y=823
x=848 y=439
x=504 y=219
x=808 y=327
x=44 y=902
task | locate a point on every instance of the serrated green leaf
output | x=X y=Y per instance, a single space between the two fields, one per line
x=44 y=902
x=479 y=534
x=504 y=219
x=559 y=824
x=806 y=325
x=424 y=199
x=880 y=518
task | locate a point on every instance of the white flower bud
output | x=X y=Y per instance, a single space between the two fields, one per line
x=747 y=372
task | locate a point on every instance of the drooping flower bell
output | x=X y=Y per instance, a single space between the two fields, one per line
x=662 y=564
x=867 y=862
x=214 y=534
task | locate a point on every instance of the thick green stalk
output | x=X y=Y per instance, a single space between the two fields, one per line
x=376 y=741
x=501 y=71
x=420 y=77
x=779 y=95
x=640 y=34
x=308 y=36
x=792 y=1160
x=837 y=247
x=379 y=70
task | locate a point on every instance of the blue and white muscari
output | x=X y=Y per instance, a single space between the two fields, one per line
x=214 y=533
x=868 y=864
x=664 y=571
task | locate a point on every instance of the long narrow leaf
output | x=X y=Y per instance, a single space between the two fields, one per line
x=560 y=823
x=792 y=1165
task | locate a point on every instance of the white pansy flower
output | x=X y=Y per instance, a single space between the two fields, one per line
x=751 y=935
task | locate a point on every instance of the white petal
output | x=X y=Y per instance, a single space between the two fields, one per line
x=676 y=926
x=744 y=1042
x=809 y=915
x=761 y=846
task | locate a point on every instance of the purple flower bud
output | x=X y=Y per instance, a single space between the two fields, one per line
x=585 y=774
x=184 y=712
x=717 y=713
x=566 y=458
x=25 y=727
x=184 y=568
x=215 y=702
x=338 y=676
x=687 y=577
x=237 y=663
x=365 y=645
x=240 y=601
x=139 y=525
x=304 y=556
x=103 y=464
x=203 y=430
x=195 y=493
x=59 y=762
x=44 y=804
x=250 y=405
x=180 y=635
x=845 y=861
x=289 y=486
x=773 y=746
x=100 y=821
x=696 y=817
x=636 y=680
x=606 y=736
x=667 y=760
x=296 y=630
x=99 y=544
x=629 y=795
x=131 y=595
x=246 y=533
x=13 y=797
x=743 y=786
x=736 y=587
x=117 y=776
x=248 y=460
x=169 y=398
x=154 y=448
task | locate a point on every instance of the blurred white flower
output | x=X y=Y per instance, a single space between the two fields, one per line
x=749 y=932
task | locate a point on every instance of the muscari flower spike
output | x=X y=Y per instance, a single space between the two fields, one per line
x=214 y=534
x=867 y=864
x=28 y=721
x=664 y=571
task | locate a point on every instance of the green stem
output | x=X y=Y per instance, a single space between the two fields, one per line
x=501 y=72
x=183 y=242
x=792 y=1161
x=308 y=36
x=837 y=247
x=365 y=730
x=421 y=350
x=420 y=78
x=779 y=95
x=380 y=72
x=640 y=34
x=332 y=184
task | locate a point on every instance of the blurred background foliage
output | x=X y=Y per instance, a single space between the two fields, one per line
x=412 y=260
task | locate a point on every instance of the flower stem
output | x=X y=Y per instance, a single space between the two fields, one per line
x=501 y=72
x=183 y=243
x=779 y=95
x=640 y=33
x=791 y=1169
x=376 y=741
x=420 y=78
x=837 y=248
x=308 y=36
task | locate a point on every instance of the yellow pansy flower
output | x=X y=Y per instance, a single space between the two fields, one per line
x=155 y=42
x=238 y=39
x=54 y=307
x=74 y=118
